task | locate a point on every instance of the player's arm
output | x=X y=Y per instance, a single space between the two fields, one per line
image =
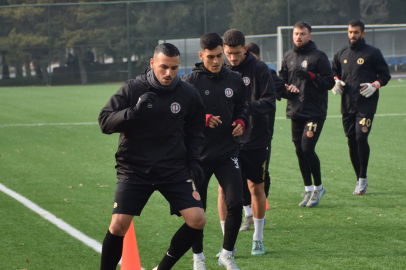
x=193 y=128
x=382 y=69
x=240 y=118
x=283 y=90
x=324 y=80
x=382 y=76
x=266 y=93
x=118 y=114
x=338 y=88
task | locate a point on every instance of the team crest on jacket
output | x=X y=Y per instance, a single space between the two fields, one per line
x=229 y=92
x=246 y=80
x=360 y=61
x=304 y=64
x=175 y=107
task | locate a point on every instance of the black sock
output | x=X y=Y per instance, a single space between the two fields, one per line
x=111 y=251
x=180 y=243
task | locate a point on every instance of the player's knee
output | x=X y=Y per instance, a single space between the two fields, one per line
x=198 y=222
x=234 y=205
x=362 y=139
x=257 y=190
x=117 y=228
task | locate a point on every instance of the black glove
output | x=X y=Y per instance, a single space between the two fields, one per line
x=144 y=100
x=303 y=75
x=197 y=173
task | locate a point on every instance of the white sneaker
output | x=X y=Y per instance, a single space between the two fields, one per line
x=306 y=198
x=156 y=268
x=356 y=190
x=246 y=224
x=228 y=262
x=199 y=265
x=316 y=196
x=363 y=184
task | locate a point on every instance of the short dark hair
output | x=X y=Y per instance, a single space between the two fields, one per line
x=303 y=25
x=167 y=49
x=253 y=48
x=357 y=23
x=210 y=41
x=234 y=38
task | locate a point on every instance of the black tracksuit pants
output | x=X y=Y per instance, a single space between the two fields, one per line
x=228 y=174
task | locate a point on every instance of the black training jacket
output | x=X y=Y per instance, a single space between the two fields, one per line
x=260 y=96
x=223 y=95
x=311 y=101
x=361 y=63
x=157 y=146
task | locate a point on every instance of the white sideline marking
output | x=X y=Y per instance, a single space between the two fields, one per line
x=53 y=219
x=339 y=116
x=48 y=124
x=95 y=123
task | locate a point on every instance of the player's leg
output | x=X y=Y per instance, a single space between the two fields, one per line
x=297 y=131
x=310 y=137
x=248 y=217
x=363 y=128
x=129 y=200
x=185 y=201
x=229 y=176
x=349 y=123
x=221 y=207
x=197 y=247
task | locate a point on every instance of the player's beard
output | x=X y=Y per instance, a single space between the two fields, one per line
x=354 y=44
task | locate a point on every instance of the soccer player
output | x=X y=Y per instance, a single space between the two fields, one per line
x=359 y=70
x=255 y=143
x=223 y=94
x=248 y=219
x=309 y=70
x=161 y=121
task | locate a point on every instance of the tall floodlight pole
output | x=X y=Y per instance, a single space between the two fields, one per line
x=129 y=64
x=289 y=12
x=205 y=17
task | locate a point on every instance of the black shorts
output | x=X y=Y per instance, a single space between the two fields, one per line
x=357 y=123
x=130 y=199
x=308 y=129
x=255 y=164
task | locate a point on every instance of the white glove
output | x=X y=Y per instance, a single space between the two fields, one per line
x=339 y=87
x=369 y=89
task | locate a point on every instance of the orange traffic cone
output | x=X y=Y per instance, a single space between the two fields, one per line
x=130 y=258
x=267 y=205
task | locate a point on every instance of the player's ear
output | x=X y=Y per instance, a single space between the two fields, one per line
x=151 y=63
x=363 y=34
x=245 y=49
x=200 y=55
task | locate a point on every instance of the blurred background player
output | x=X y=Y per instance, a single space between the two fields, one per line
x=309 y=70
x=255 y=143
x=223 y=95
x=359 y=70
x=160 y=120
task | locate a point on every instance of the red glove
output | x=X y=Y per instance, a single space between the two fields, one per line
x=208 y=117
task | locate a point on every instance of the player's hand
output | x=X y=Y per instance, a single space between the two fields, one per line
x=291 y=88
x=144 y=100
x=214 y=121
x=239 y=129
x=303 y=75
x=197 y=173
x=339 y=87
x=369 y=89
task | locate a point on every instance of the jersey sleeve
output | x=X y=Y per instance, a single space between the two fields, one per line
x=266 y=95
x=240 y=110
x=194 y=127
x=382 y=69
x=336 y=66
x=118 y=114
x=324 y=79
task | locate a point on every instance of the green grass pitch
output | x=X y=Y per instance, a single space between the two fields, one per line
x=69 y=171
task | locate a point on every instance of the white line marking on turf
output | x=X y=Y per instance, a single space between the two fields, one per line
x=339 y=116
x=95 y=123
x=48 y=124
x=53 y=219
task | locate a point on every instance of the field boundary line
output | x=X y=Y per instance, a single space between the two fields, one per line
x=95 y=123
x=53 y=219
